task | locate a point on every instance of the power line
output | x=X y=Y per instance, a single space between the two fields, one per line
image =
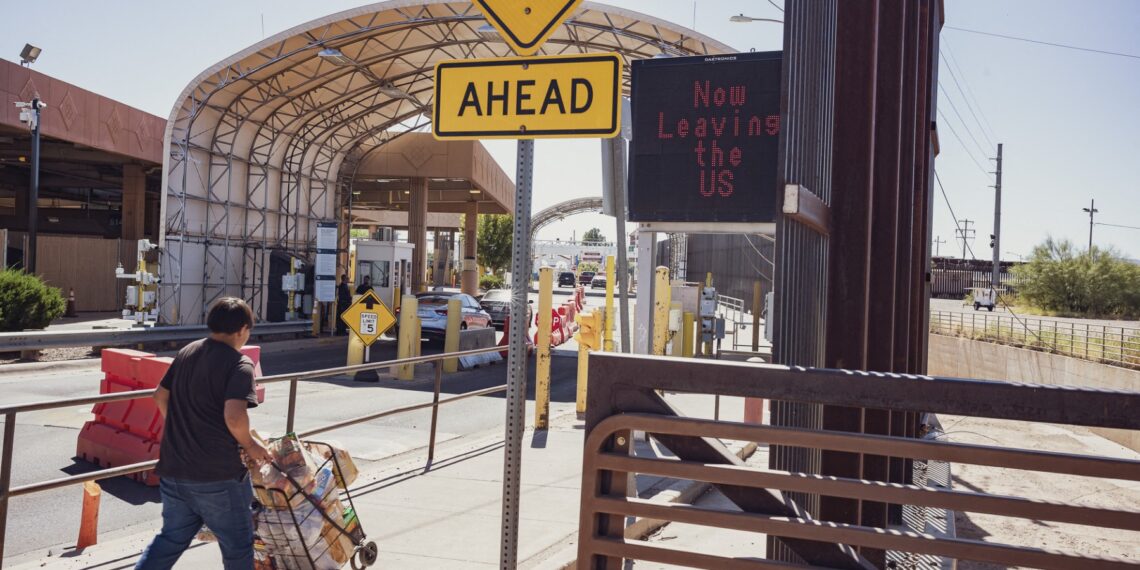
x=968 y=131
x=966 y=96
x=954 y=63
x=964 y=147
x=775 y=5
x=1042 y=42
x=1118 y=226
x=952 y=214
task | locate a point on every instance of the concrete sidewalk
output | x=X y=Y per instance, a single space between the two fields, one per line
x=445 y=517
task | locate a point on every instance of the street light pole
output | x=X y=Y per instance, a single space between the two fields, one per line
x=30 y=113
x=996 y=277
x=1092 y=212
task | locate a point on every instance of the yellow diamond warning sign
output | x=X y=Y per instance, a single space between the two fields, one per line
x=528 y=97
x=368 y=317
x=526 y=24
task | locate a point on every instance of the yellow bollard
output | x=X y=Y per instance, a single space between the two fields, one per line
x=756 y=306
x=687 y=335
x=583 y=368
x=404 y=344
x=675 y=344
x=451 y=338
x=542 y=359
x=661 y=298
x=708 y=279
x=609 y=322
x=355 y=350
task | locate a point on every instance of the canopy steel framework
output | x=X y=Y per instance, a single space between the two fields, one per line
x=262 y=146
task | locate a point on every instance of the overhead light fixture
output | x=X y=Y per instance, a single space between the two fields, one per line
x=388 y=88
x=487 y=32
x=742 y=19
x=474 y=190
x=29 y=54
x=53 y=220
x=335 y=57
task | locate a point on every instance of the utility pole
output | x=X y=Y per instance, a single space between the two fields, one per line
x=938 y=241
x=1092 y=212
x=965 y=233
x=30 y=114
x=995 y=243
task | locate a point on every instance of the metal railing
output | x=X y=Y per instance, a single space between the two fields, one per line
x=623 y=398
x=7 y=491
x=1119 y=346
x=41 y=340
x=736 y=321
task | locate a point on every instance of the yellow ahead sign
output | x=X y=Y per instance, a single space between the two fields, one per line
x=526 y=24
x=528 y=97
x=368 y=317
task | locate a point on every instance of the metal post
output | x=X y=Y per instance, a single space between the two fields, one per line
x=622 y=249
x=516 y=357
x=757 y=299
x=608 y=343
x=291 y=416
x=34 y=192
x=6 y=477
x=435 y=409
x=996 y=280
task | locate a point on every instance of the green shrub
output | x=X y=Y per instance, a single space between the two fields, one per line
x=1060 y=278
x=27 y=303
x=491 y=282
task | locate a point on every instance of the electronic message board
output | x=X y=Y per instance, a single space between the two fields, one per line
x=705 y=138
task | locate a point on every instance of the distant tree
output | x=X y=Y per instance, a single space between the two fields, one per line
x=1059 y=277
x=494 y=242
x=588 y=266
x=593 y=235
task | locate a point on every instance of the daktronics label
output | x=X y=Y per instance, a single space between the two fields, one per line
x=705 y=138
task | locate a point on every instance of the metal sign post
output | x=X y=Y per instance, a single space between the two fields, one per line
x=516 y=357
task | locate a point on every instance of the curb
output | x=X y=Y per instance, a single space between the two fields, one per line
x=567 y=557
x=60 y=365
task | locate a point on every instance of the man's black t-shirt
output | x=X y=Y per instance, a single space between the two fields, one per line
x=196 y=444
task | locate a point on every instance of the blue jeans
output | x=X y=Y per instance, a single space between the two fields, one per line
x=222 y=505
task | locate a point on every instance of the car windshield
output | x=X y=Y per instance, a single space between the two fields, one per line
x=498 y=295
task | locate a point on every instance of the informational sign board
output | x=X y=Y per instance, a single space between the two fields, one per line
x=528 y=97
x=368 y=318
x=705 y=138
x=324 y=271
x=525 y=24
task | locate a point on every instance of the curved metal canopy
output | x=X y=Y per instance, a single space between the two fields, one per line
x=560 y=210
x=261 y=146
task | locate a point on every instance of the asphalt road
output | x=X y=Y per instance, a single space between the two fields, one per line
x=45 y=441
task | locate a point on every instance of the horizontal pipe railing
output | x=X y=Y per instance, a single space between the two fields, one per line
x=1107 y=344
x=9 y=412
x=608 y=462
x=42 y=340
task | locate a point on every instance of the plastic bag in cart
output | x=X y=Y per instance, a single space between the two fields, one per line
x=347 y=471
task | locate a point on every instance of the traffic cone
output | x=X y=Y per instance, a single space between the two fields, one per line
x=71 y=303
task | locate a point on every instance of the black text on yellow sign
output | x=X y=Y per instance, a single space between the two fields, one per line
x=528 y=97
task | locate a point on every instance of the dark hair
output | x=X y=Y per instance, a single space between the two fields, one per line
x=228 y=315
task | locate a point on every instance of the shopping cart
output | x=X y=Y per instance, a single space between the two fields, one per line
x=311 y=529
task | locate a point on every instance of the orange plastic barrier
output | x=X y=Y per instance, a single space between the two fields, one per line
x=129 y=431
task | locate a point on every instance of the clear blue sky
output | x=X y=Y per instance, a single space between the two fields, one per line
x=1069 y=120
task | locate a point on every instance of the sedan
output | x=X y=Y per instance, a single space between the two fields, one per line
x=432 y=311
x=497 y=303
x=598 y=282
